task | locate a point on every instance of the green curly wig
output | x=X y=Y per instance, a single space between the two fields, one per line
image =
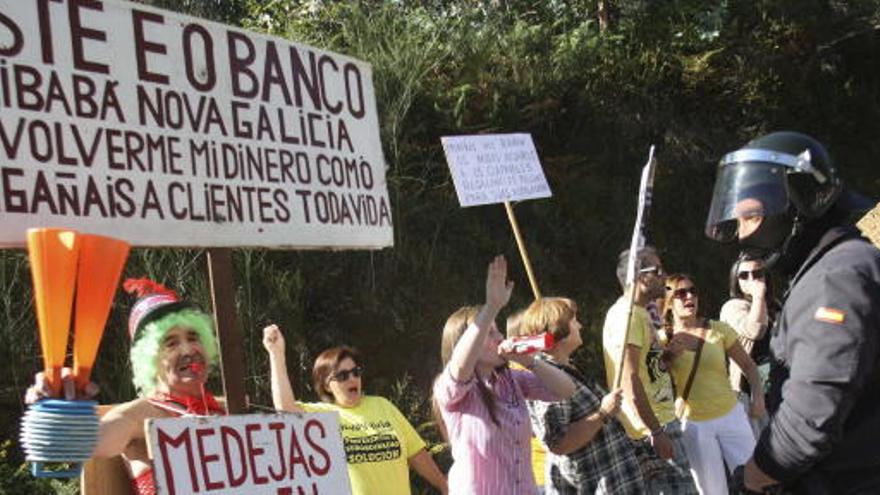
x=145 y=350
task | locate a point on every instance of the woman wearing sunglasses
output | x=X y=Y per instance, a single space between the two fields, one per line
x=380 y=444
x=714 y=429
x=749 y=312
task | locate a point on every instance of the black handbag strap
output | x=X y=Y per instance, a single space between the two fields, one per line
x=690 y=380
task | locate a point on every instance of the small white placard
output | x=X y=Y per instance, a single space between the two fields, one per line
x=246 y=454
x=494 y=168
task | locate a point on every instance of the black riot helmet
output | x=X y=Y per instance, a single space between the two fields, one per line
x=786 y=177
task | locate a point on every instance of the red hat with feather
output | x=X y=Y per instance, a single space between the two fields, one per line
x=154 y=301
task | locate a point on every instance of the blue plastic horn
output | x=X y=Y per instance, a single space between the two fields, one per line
x=55 y=431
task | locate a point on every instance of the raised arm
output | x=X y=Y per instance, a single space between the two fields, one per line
x=467 y=350
x=282 y=393
x=748 y=319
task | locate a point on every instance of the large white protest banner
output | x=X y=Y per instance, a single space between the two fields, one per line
x=166 y=130
x=494 y=168
x=283 y=454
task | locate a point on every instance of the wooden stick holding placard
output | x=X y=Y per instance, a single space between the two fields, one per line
x=522 y=250
x=497 y=168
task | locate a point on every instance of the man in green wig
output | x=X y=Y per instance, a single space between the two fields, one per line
x=173 y=349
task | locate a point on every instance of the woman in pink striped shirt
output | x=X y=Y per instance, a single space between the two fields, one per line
x=481 y=402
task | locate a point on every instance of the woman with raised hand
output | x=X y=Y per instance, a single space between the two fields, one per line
x=714 y=429
x=480 y=401
x=589 y=450
x=380 y=444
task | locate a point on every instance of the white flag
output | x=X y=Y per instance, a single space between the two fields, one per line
x=646 y=188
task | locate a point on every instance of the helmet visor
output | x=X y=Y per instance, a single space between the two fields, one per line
x=744 y=190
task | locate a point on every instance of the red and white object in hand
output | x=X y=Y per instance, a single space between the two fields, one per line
x=531 y=343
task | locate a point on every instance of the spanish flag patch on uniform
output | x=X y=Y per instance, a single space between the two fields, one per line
x=830 y=315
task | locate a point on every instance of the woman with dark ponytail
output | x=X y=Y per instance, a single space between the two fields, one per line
x=750 y=311
x=481 y=402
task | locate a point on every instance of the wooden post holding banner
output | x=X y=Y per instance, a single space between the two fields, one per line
x=646 y=187
x=522 y=250
x=497 y=168
x=229 y=335
x=245 y=454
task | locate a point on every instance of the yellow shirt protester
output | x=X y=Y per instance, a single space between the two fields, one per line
x=378 y=441
x=710 y=396
x=657 y=385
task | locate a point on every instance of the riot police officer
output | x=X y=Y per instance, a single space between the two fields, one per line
x=780 y=195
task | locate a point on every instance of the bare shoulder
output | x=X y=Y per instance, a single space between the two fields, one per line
x=136 y=410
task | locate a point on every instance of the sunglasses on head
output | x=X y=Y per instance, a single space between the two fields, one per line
x=683 y=292
x=341 y=376
x=652 y=269
x=756 y=274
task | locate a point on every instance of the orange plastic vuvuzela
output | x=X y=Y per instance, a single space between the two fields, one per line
x=101 y=260
x=53 y=256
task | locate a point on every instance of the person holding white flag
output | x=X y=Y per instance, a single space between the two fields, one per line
x=647 y=413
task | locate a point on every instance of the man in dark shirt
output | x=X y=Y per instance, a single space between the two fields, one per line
x=781 y=197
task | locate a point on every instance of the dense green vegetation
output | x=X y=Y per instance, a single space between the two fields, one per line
x=697 y=78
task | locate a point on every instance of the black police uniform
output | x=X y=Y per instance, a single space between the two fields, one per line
x=824 y=436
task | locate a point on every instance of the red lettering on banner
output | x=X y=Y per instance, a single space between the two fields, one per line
x=17 y=37
x=296 y=456
x=210 y=70
x=301 y=78
x=239 y=65
x=273 y=74
x=254 y=452
x=206 y=459
x=142 y=46
x=324 y=60
x=11 y=147
x=277 y=428
x=14 y=200
x=166 y=441
x=358 y=84
x=311 y=425
x=45 y=31
x=78 y=32
x=151 y=201
x=29 y=94
x=288 y=490
x=227 y=433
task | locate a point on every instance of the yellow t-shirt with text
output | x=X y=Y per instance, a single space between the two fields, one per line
x=657 y=383
x=378 y=442
x=710 y=396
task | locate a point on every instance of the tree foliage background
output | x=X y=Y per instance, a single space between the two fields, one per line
x=698 y=78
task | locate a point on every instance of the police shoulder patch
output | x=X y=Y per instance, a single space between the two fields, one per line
x=830 y=315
